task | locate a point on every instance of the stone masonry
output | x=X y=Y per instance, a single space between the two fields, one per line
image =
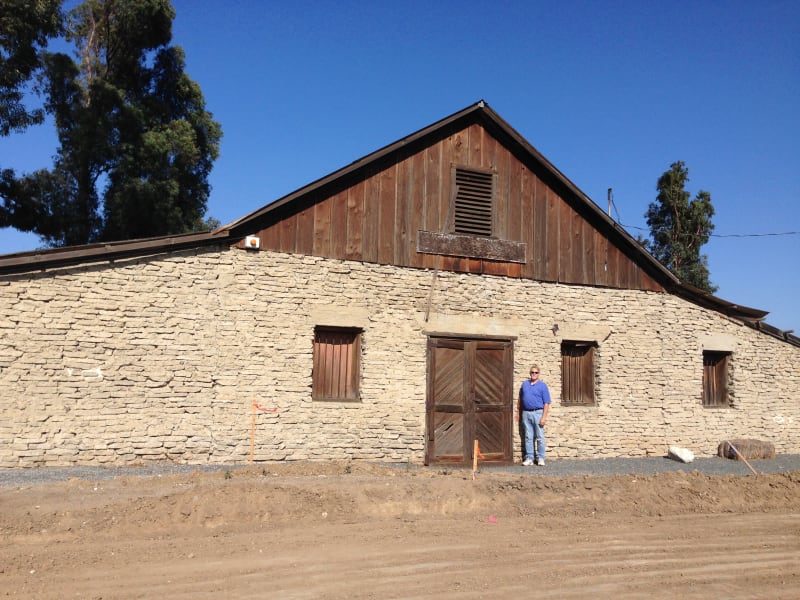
x=162 y=358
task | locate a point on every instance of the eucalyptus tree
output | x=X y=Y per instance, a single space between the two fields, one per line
x=679 y=227
x=136 y=143
x=25 y=28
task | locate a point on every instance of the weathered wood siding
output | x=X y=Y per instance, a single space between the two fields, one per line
x=376 y=215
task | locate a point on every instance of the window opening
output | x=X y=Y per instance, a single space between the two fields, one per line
x=716 y=366
x=337 y=363
x=577 y=373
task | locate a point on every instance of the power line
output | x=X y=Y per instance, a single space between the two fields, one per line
x=728 y=235
x=613 y=204
x=756 y=234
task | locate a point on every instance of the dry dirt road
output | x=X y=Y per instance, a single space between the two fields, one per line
x=330 y=531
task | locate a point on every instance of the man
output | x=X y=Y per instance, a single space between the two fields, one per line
x=534 y=404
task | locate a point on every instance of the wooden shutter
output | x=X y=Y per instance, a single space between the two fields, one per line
x=577 y=373
x=336 y=364
x=715 y=378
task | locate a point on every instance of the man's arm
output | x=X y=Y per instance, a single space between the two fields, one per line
x=546 y=400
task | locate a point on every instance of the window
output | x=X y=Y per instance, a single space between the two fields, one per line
x=473 y=202
x=715 y=378
x=577 y=373
x=337 y=363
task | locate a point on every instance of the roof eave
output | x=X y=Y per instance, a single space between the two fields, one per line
x=57 y=257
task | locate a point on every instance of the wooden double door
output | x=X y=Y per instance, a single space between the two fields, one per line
x=469 y=397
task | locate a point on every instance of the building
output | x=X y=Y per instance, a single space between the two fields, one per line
x=387 y=311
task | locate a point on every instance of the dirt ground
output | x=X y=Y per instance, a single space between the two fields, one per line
x=363 y=531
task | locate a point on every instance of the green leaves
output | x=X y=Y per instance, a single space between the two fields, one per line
x=25 y=27
x=136 y=142
x=680 y=227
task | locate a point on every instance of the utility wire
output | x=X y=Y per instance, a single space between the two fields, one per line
x=756 y=234
x=616 y=210
x=728 y=235
x=716 y=235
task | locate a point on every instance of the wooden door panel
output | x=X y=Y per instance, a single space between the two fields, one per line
x=489 y=373
x=449 y=435
x=446 y=401
x=448 y=378
x=493 y=400
x=491 y=431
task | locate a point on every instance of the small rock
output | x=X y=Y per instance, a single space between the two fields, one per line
x=683 y=455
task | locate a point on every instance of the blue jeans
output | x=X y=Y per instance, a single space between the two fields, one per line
x=530 y=422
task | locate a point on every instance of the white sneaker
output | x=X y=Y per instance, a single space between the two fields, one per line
x=540 y=462
x=527 y=462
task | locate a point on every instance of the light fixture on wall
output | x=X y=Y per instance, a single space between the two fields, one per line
x=252 y=242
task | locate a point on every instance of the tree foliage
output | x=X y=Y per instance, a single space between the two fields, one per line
x=136 y=142
x=25 y=27
x=680 y=227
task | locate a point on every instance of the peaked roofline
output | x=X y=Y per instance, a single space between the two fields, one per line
x=482 y=113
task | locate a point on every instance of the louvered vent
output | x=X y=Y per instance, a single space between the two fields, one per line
x=473 y=209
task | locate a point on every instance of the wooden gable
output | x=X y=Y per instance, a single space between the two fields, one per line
x=396 y=207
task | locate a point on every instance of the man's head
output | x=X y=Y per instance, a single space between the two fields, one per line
x=534 y=372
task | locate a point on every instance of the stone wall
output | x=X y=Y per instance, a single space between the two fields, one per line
x=162 y=358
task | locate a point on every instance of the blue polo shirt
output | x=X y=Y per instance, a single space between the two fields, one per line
x=534 y=395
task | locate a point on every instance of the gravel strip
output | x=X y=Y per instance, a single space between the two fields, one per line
x=649 y=466
x=21 y=477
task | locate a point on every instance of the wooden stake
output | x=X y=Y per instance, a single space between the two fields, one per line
x=740 y=455
x=475 y=451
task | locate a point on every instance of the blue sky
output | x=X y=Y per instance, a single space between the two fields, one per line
x=611 y=92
